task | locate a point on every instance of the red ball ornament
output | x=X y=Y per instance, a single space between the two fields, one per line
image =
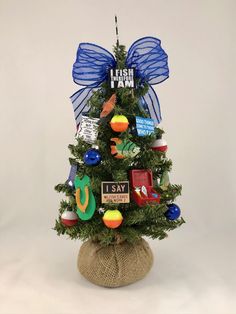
x=69 y=218
x=159 y=145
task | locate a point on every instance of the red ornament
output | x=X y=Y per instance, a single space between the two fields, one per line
x=159 y=145
x=142 y=187
x=69 y=218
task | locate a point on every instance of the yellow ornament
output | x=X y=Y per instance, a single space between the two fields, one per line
x=119 y=123
x=112 y=218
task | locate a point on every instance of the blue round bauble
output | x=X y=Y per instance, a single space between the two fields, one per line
x=92 y=157
x=173 y=212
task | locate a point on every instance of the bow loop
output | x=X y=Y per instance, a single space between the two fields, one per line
x=150 y=103
x=149 y=60
x=92 y=65
x=80 y=101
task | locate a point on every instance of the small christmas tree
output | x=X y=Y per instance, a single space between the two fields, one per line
x=118 y=190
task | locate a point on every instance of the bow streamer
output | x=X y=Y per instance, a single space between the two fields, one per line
x=93 y=63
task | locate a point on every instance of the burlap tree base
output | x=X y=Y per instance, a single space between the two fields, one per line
x=114 y=265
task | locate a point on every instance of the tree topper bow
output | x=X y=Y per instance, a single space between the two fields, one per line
x=93 y=63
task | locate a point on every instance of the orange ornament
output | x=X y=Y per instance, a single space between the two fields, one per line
x=119 y=123
x=108 y=106
x=112 y=218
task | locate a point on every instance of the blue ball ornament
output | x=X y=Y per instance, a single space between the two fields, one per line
x=173 y=212
x=92 y=157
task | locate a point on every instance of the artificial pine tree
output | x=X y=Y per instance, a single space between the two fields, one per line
x=113 y=164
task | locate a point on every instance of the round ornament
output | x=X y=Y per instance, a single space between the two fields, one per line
x=159 y=145
x=112 y=218
x=69 y=218
x=173 y=212
x=119 y=123
x=92 y=157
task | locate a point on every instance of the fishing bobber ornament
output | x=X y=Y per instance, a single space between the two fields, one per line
x=159 y=145
x=112 y=218
x=119 y=123
x=69 y=218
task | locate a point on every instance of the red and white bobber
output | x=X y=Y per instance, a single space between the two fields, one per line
x=69 y=218
x=160 y=145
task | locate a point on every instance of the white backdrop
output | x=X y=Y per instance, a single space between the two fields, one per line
x=194 y=270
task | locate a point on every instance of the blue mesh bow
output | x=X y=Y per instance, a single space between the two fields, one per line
x=93 y=63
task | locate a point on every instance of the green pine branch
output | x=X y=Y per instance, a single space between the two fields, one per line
x=148 y=220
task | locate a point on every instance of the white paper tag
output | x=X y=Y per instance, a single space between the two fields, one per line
x=88 y=129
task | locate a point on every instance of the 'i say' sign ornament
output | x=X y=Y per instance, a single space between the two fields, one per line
x=115 y=192
x=122 y=78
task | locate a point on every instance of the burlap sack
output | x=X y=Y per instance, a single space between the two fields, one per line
x=114 y=265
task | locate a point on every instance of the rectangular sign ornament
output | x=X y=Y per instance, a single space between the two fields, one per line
x=122 y=78
x=144 y=126
x=115 y=192
x=88 y=129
